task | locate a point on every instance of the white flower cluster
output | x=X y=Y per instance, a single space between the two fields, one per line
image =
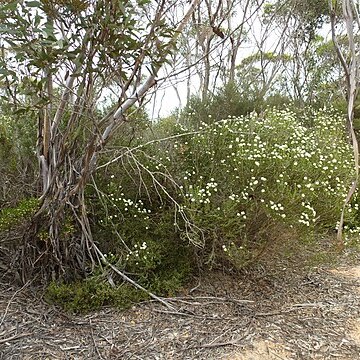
x=139 y=252
x=308 y=216
x=275 y=161
x=203 y=194
x=121 y=205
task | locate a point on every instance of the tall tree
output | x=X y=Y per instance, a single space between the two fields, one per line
x=350 y=62
x=299 y=23
x=63 y=55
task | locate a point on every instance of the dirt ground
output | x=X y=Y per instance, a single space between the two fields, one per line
x=284 y=313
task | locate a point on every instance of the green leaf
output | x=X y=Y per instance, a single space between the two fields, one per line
x=21 y=111
x=7 y=72
x=33 y=4
x=37 y=20
x=7 y=31
x=10 y=6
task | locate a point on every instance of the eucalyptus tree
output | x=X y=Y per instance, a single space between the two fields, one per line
x=348 y=20
x=211 y=43
x=298 y=24
x=57 y=61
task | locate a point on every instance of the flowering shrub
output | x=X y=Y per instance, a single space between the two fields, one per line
x=136 y=230
x=291 y=175
x=248 y=183
x=226 y=193
x=252 y=181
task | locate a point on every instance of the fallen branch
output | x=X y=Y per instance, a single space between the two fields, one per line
x=219 y=344
x=14 y=337
x=192 y=314
x=294 y=307
x=222 y=299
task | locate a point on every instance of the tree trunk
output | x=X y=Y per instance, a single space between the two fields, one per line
x=58 y=243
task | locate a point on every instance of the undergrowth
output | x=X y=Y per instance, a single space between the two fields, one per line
x=92 y=294
x=14 y=216
x=96 y=291
x=221 y=194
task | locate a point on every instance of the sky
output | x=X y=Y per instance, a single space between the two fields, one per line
x=166 y=99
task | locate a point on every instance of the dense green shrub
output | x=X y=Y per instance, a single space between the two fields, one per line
x=91 y=294
x=252 y=182
x=230 y=100
x=18 y=163
x=138 y=234
x=249 y=183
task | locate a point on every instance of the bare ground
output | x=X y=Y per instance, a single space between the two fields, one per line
x=285 y=313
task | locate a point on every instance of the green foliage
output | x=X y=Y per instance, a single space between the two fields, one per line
x=34 y=39
x=6 y=145
x=313 y=13
x=133 y=129
x=165 y=279
x=253 y=182
x=17 y=156
x=12 y=217
x=231 y=100
x=17 y=134
x=139 y=236
x=250 y=183
x=135 y=227
x=92 y=294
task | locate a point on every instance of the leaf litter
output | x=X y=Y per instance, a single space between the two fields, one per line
x=284 y=313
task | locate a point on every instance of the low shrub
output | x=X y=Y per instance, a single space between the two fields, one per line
x=11 y=217
x=253 y=182
x=249 y=183
x=92 y=294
